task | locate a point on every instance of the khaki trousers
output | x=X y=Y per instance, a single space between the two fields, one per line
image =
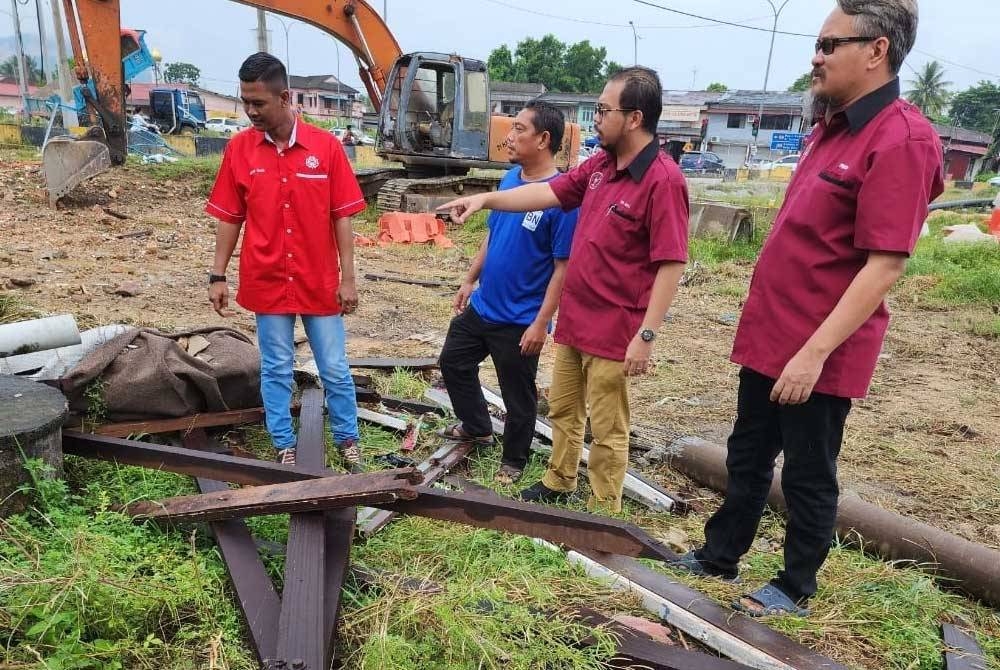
x=580 y=380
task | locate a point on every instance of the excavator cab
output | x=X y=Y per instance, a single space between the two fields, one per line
x=436 y=111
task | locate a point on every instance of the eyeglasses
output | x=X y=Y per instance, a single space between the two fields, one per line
x=829 y=44
x=601 y=111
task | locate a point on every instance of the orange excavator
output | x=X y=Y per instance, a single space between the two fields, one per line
x=434 y=108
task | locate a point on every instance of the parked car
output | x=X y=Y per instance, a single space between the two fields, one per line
x=995 y=181
x=222 y=125
x=790 y=161
x=701 y=162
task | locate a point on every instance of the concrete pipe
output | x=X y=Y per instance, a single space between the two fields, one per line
x=971 y=567
x=25 y=337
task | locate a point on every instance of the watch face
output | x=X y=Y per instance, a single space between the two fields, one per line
x=647 y=335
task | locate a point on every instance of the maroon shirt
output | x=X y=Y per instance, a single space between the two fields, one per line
x=863 y=184
x=631 y=221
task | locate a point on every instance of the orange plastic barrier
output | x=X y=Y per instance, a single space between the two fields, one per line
x=409 y=228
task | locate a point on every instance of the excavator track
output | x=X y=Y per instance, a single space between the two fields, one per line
x=392 y=195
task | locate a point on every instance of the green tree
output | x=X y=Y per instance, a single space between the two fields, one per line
x=501 y=64
x=541 y=62
x=8 y=68
x=717 y=87
x=584 y=65
x=802 y=84
x=181 y=73
x=612 y=68
x=976 y=107
x=929 y=90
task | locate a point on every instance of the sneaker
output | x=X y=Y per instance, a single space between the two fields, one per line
x=540 y=493
x=287 y=456
x=350 y=451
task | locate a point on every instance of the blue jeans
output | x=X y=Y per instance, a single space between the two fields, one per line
x=276 y=339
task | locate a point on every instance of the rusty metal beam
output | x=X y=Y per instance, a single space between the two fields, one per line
x=433 y=469
x=233 y=469
x=393 y=363
x=565 y=527
x=313 y=495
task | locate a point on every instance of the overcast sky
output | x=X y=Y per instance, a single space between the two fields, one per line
x=216 y=35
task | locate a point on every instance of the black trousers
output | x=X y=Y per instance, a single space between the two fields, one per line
x=810 y=436
x=470 y=340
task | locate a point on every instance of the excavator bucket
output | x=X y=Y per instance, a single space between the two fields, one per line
x=68 y=162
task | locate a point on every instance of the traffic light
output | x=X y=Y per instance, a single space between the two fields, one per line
x=756 y=126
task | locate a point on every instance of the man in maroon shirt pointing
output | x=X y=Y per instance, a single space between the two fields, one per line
x=628 y=253
x=815 y=318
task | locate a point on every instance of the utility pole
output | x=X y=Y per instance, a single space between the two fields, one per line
x=62 y=66
x=694 y=78
x=385 y=12
x=21 y=69
x=41 y=40
x=635 y=45
x=767 y=70
x=262 y=31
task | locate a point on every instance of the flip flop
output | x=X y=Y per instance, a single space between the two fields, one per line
x=457 y=433
x=773 y=601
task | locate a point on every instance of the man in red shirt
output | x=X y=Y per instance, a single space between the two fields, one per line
x=294 y=188
x=815 y=318
x=628 y=253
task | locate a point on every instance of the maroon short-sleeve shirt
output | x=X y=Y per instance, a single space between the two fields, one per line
x=863 y=184
x=631 y=221
x=289 y=262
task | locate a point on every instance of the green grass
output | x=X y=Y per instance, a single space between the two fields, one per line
x=714 y=251
x=959 y=274
x=201 y=170
x=989 y=328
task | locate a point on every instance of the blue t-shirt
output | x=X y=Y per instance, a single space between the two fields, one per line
x=519 y=259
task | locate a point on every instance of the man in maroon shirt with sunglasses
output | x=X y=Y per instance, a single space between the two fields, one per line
x=815 y=318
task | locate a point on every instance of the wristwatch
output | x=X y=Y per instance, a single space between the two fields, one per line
x=647 y=335
x=213 y=278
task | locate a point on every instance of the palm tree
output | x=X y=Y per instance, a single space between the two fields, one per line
x=929 y=91
x=8 y=68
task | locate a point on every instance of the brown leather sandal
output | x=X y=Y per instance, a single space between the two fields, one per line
x=507 y=475
x=457 y=433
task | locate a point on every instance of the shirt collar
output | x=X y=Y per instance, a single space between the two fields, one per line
x=293 y=139
x=864 y=110
x=640 y=164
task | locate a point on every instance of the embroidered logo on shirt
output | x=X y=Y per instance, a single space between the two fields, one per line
x=531 y=220
x=312 y=162
x=595 y=180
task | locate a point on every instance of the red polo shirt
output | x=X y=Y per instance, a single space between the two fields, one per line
x=631 y=221
x=863 y=184
x=289 y=262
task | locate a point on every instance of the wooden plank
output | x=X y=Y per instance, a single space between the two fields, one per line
x=738 y=636
x=393 y=363
x=314 y=495
x=257 y=597
x=962 y=651
x=384 y=420
x=412 y=281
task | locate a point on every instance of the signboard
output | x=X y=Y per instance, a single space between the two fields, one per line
x=687 y=114
x=786 y=141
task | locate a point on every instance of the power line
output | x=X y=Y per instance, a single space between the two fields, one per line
x=958 y=65
x=722 y=22
x=603 y=23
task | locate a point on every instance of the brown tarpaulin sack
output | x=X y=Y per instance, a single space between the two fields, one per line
x=146 y=374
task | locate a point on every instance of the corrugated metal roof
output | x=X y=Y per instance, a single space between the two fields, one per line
x=962 y=134
x=523 y=88
x=782 y=99
x=321 y=82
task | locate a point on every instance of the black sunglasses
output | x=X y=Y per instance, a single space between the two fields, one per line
x=829 y=44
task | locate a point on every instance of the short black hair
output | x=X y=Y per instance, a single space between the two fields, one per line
x=644 y=92
x=548 y=117
x=264 y=67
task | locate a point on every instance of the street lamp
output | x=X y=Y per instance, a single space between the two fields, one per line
x=288 y=61
x=635 y=44
x=767 y=71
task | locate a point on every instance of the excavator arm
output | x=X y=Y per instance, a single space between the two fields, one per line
x=94 y=28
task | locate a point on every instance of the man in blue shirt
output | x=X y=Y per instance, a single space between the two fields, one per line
x=520 y=267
